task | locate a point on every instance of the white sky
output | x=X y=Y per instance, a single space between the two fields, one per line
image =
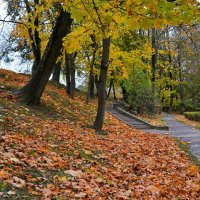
x=15 y=65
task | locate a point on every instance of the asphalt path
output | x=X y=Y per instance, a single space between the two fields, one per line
x=176 y=129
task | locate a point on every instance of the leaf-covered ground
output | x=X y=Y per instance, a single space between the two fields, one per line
x=155 y=120
x=49 y=152
x=187 y=121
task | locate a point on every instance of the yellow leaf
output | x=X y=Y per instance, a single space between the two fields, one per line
x=62 y=178
x=192 y=171
x=88 y=152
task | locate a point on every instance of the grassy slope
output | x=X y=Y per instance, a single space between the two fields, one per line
x=49 y=151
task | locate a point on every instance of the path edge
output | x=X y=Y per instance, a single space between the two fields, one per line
x=122 y=111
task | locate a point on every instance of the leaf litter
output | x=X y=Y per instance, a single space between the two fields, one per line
x=48 y=152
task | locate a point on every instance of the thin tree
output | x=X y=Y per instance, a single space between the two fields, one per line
x=98 y=124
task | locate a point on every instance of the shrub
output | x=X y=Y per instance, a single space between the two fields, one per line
x=192 y=115
x=188 y=105
x=140 y=96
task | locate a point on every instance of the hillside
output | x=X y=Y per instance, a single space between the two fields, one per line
x=50 y=152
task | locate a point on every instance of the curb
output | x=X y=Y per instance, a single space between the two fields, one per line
x=140 y=120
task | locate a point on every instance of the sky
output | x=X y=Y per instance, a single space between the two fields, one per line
x=5 y=28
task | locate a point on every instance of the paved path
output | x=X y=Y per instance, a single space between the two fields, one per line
x=176 y=129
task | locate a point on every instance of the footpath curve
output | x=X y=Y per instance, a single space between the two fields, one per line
x=176 y=129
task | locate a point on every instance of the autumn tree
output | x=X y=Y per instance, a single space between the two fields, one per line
x=31 y=93
x=107 y=21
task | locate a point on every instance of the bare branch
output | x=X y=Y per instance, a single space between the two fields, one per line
x=11 y=21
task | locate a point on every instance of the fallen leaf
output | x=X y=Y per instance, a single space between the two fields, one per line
x=11 y=192
x=4 y=174
x=77 y=173
x=80 y=195
x=62 y=178
x=14 y=160
x=193 y=170
x=88 y=152
x=47 y=192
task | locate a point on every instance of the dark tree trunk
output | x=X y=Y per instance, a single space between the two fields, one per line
x=68 y=74
x=37 y=44
x=181 y=91
x=141 y=32
x=124 y=93
x=34 y=37
x=70 y=69
x=32 y=92
x=35 y=65
x=96 y=80
x=110 y=87
x=73 y=80
x=92 y=87
x=170 y=72
x=90 y=92
x=102 y=86
x=153 y=67
x=114 y=93
x=56 y=72
x=148 y=34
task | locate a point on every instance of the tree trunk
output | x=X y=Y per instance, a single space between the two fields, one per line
x=90 y=92
x=56 y=72
x=70 y=69
x=37 y=44
x=32 y=92
x=73 y=80
x=170 y=72
x=148 y=34
x=34 y=37
x=35 y=65
x=68 y=74
x=96 y=80
x=102 y=86
x=153 y=68
x=114 y=93
x=124 y=93
x=181 y=91
x=110 y=87
x=92 y=87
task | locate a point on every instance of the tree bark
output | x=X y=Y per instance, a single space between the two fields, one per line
x=92 y=87
x=170 y=72
x=34 y=37
x=124 y=93
x=96 y=80
x=102 y=86
x=153 y=67
x=70 y=69
x=90 y=92
x=181 y=91
x=56 y=72
x=110 y=87
x=70 y=74
x=32 y=92
x=114 y=93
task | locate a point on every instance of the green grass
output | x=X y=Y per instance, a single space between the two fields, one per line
x=20 y=194
x=8 y=87
x=184 y=146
